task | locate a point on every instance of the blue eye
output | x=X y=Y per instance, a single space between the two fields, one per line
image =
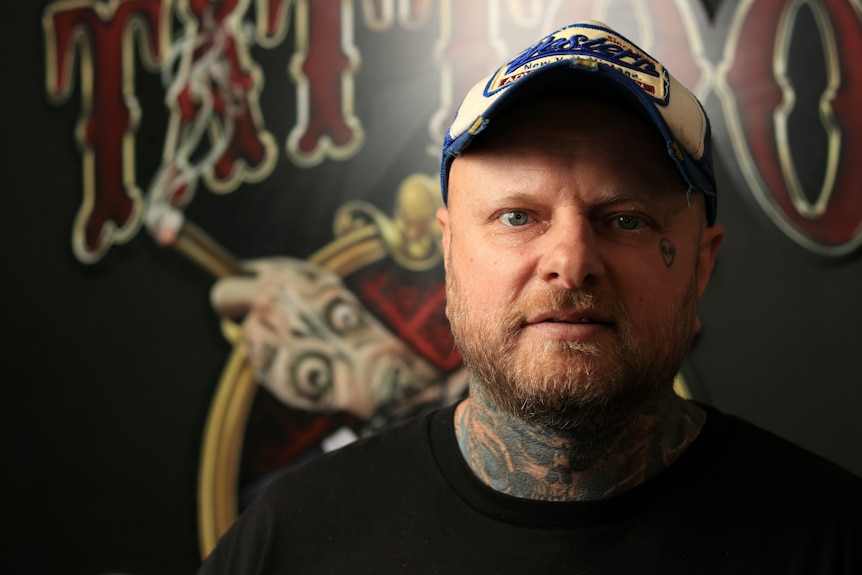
x=515 y=219
x=627 y=222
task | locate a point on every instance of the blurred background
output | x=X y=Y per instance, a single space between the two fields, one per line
x=153 y=145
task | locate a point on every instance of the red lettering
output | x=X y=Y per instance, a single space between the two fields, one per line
x=214 y=94
x=323 y=67
x=102 y=36
x=841 y=225
x=751 y=97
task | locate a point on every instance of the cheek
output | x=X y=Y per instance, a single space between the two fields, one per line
x=488 y=283
x=490 y=275
x=646 y=286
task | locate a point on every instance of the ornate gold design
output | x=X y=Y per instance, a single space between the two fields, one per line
x=412 y=237
x=218 y=476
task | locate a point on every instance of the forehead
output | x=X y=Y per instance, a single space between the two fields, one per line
x=567 y=134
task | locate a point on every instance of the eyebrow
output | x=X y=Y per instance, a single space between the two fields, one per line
x=604 y=197
x=640 y=195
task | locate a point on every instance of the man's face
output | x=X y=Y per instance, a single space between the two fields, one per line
x=574 y=262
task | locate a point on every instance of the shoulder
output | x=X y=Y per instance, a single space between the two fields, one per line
x=385 y=469
x=750 y=464
x=769 y=499
x=373 y=460
x=737 y=441
x=320 y=505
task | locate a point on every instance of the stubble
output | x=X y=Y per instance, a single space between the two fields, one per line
x=591 y=390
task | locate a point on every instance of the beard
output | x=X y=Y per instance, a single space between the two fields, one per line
x=592 y=389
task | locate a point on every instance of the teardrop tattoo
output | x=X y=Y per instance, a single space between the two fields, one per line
x=668 y=251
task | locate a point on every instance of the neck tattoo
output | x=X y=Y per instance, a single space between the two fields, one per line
x=525 y=460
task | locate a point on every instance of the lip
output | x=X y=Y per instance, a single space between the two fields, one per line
x=580 y=325
x=579 y=317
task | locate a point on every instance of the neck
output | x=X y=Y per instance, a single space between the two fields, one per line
x=532 y=461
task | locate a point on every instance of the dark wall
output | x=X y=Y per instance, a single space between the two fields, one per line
x=112 y=364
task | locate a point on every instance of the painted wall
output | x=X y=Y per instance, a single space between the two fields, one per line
x=134 y=429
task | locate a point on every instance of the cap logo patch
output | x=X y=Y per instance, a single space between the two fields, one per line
x=582 y=45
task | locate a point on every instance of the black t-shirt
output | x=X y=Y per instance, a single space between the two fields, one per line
x=739 y=500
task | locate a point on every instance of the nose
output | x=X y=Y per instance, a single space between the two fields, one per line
x=570 y=258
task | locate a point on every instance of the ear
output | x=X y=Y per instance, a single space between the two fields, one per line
x=710 y=241
x=443 y=220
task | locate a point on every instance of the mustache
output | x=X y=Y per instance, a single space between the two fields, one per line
x=564 y=302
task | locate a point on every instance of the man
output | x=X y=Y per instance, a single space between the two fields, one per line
x=579 y=234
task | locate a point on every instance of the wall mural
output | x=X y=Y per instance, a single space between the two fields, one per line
x=331 y=291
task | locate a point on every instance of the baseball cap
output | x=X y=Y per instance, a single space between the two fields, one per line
x=589 y=58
